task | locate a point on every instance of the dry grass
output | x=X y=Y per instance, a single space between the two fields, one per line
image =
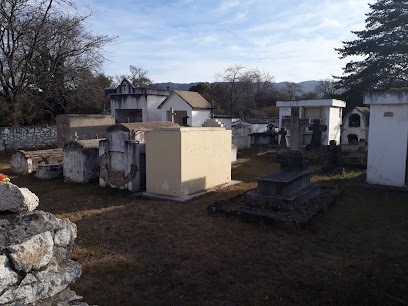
x=137 y=251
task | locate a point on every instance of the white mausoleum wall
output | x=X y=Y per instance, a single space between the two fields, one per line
x=200 y=116
x=387 y=144
x=178 y=104
x=27 y=137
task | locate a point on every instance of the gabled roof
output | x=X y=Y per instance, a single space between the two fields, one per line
x=192 y=98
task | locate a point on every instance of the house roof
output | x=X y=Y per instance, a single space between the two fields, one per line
x=192 y=98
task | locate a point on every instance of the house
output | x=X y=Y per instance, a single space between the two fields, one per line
x=355 y=128
x=187 y=108
x=387 y=162
x=135 y=104
x=329 y=111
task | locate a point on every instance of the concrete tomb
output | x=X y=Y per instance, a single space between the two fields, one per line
x=26 y=162
x=81 y=160
x=329 y=111
x=355 y=129
x=50 y=171
x=122 y=154
x=82 y=126
x=387 y=162
x=288 y=189
x=183 y=161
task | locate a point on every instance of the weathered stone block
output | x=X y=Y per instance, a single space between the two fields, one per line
x=17 y=199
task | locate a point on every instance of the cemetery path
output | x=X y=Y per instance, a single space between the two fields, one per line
x=138 y=251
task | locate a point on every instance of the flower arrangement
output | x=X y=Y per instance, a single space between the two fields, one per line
x=4 y=179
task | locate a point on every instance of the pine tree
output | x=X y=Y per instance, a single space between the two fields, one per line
x=384 y=45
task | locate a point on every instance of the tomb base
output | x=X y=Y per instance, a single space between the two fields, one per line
x=289 y=202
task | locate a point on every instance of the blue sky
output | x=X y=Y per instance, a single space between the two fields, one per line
x=189 y=40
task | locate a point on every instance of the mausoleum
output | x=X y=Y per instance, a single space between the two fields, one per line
x=387 y=162
x=328 y=111
x=135 y=104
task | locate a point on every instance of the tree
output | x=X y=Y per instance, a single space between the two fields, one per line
x=247 y=87
x=384 y=45
x=327 y=89
x=292 y=91
x=138 y=77
x=213 y=93
x=44 y=48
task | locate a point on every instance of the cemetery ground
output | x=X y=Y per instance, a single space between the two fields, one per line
x=142 y=251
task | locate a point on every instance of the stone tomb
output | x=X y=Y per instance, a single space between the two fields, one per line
x=122 y=154
x=81 y=160
x=287 y=189
x=26 y=162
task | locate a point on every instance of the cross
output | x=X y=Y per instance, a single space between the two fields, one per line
x=283 y=133
x=172 y=114
x=75 y=137
x=294 y=123
x=317 y=129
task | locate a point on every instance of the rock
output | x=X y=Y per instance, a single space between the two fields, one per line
x=34 y=259
x=49 y=282
x=7 y=276
x=33 y=253
x=17 y=199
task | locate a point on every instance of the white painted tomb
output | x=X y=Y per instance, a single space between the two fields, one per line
x=387 y=162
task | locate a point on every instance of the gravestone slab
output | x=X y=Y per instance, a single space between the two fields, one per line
x=287 y=189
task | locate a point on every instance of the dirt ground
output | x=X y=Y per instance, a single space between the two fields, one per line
x=139 y=251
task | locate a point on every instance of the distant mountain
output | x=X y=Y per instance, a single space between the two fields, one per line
x=306 y=85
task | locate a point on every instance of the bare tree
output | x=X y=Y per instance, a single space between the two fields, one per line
x=246 y=86
x=327 y=88
x=44 y=46
x=138 y=77
x=292 y=91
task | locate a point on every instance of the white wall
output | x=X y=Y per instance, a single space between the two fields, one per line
x=147 y=105
x=387 y=144
x=360 y=131
x=200 y=116
x=334 y=125
x=178 y=104
x=259 y=128
x=153 y=113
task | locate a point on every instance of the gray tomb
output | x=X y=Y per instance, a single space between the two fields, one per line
x=287 y=189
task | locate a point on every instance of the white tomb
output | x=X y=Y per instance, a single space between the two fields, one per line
x=329 y=111
x=387 y=162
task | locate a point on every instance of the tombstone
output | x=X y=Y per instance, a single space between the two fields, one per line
x=26 y=162
x=294 y=123
x=317 y=129
x=283 y=133
x=286 y=190
x=334 y=163
x=81 y=160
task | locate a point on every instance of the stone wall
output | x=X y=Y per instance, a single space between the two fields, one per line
x=27 y=137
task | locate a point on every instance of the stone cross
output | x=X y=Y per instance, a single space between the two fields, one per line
x=294 y=123
x=75 y=137
x=283 y=133
x=172 y=114
x=317 y=128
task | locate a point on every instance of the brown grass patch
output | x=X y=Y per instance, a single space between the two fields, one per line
x=136 y=251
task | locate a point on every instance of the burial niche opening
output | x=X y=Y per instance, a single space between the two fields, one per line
x=352 y=139
x=354 y=120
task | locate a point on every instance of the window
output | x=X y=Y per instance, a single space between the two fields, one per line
x=354 y=120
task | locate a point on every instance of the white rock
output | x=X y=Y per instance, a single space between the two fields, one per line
x=17 y=199
x=7 y=276
x=33 y=253
x=50 y=282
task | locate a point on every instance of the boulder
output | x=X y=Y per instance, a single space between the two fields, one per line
x=15 y=199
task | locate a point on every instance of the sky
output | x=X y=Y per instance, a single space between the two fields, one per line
x=185 y=41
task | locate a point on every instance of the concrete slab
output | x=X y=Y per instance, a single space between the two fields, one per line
x=190 y=196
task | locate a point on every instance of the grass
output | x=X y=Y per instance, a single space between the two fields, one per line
x=136 y=251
